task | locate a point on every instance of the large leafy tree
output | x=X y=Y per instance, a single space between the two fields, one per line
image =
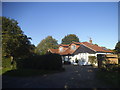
x=45 y=44
x=14 y=42
x=117 y=48
x=69 y=39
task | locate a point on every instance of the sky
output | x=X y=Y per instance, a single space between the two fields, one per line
x=98 y=20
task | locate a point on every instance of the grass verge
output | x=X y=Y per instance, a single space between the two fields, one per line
x=3 y=70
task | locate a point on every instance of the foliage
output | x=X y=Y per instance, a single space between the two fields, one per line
x=45 y=44
x=45 y=62
x=92 y=60
x=6 y=62
x=76 y=60
x=111 y=67
x=69 y=39
x=117 y=48
x=14 y=42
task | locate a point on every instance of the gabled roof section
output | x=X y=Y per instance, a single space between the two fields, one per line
x=54 y=51
x=68 y=51
x=95 y=47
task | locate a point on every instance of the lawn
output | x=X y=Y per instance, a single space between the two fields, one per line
x=2 y=71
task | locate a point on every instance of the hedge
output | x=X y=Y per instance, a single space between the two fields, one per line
x=46 y=62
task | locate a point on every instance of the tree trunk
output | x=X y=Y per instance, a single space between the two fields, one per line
x=12 y=62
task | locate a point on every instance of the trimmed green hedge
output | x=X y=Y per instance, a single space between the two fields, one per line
x=45 y=62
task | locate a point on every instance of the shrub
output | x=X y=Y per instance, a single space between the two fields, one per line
x=6 y=62
x=76 y=60
x=46 y=62
x=92 y=60
x=111 y=68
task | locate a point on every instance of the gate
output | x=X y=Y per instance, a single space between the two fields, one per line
x=108 y=58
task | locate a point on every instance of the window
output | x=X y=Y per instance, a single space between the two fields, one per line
x=61 y=49
x=73 y=47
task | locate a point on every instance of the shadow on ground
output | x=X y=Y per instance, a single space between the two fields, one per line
x=72 y=77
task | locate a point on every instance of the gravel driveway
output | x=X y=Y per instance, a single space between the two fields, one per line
x=73 y=77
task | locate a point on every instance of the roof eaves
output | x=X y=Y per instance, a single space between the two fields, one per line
x=50 y=50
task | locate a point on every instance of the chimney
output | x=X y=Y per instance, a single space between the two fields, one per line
x=90 y=40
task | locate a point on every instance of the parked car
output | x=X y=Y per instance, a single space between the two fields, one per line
x=75 y=64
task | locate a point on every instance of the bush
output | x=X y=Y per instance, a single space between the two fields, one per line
x=92 y=60
x=6 y=62
x=111 y=68
x=45 y=62
x=76 y=60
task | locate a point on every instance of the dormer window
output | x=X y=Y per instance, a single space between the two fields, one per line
x=73 y=47
x=61 y=49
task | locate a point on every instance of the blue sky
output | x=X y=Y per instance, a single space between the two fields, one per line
x=98 y=20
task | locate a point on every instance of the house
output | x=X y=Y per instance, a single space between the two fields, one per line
x=80 y=51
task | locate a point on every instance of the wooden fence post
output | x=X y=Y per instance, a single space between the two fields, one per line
x=100 y=58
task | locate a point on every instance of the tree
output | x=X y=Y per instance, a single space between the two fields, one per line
x=69 y=39
x=14 y=42
x=117 y=48
x=45 y=44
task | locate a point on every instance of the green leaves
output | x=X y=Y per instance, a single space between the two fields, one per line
x=14 y=42
x=69 y=39
x=117 y=48
x=45 y=44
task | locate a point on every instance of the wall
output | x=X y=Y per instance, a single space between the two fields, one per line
x=81 y=57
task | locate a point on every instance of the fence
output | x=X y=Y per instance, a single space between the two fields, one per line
x=111 y=58
x=107 y=59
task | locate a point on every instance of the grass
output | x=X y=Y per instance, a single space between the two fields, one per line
x=109 y=78
x=2 y=71
x=29 y=72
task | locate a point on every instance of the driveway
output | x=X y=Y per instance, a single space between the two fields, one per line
x=73 y=77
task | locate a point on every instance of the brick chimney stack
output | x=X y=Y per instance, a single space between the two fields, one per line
x=90 y=40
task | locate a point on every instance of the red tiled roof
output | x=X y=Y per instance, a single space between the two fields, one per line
x=67 y=50
x=63 y=45
x=54 y=51
x=95 y=47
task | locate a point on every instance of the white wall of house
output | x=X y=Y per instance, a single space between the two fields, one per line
x=82 y=58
